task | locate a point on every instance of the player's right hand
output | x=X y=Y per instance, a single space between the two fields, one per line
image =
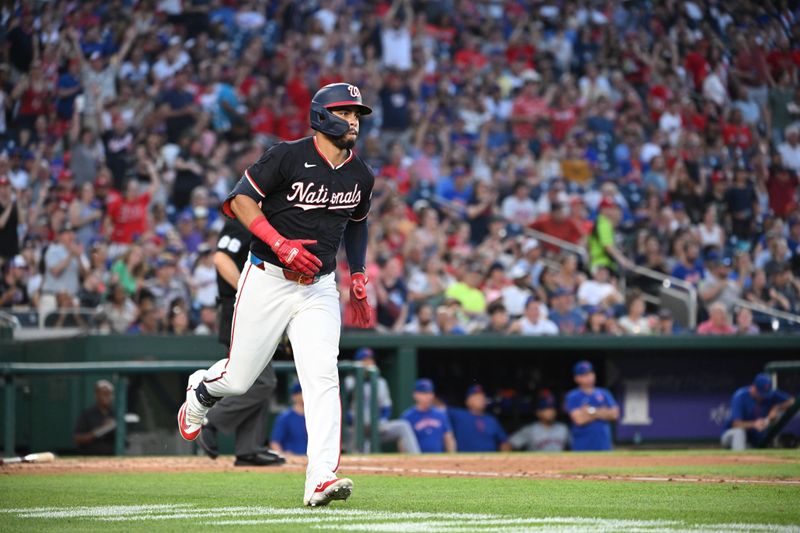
x=294 y=255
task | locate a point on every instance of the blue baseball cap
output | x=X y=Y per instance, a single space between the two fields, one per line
x=364 y=353
x=423 y=385
x=763 y=384
x=295 y=388
x=581 y=368
x=474 y=389
x=546 y=400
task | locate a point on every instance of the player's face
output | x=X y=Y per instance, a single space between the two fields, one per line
x=476 y=402
x=424 y=400
x=546 y=415
x=585 y=380
x=352 y=116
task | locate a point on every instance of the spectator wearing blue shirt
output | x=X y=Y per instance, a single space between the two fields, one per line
x=395 y=430
x=563 y=312
x=591 y=409
x=431 y=425
x=474 y=430
x=753 y=408
x=289 y=433
x=690 y=266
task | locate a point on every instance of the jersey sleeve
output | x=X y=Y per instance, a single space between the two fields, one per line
x=446 y=425
x=362 y=209
x=572 y=402
x=500 y=433
x=738 y=407
x=232 y=240
x=521 y=438
x=610 y=398
x=261 y=178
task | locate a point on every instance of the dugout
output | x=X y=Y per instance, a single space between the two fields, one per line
x=671 y=389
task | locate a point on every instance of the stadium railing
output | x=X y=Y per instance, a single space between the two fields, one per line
x=120 y=371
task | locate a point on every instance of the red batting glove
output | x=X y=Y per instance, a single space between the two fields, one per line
x=291 y=253
x=358 y=299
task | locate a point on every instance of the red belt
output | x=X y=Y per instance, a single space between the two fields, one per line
x=291 y=275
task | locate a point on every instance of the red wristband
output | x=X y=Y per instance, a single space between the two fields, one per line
x=261 y=228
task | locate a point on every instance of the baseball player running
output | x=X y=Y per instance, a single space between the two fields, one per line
x=245 y=414
x=298 y=200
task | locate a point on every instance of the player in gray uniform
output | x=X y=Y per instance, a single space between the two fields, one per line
x=546 y=434
x=398 y=431
x=246 y=415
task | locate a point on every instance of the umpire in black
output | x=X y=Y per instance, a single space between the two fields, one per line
x=245 y=414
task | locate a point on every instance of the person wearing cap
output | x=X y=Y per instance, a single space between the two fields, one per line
x=95 y=429
x=753 y=408
x=717 y=285
x=289 y=433
x=603 y=248
x=565 y=314
x=591 y=409
x=398 y=431
x=166 y=286
x=474 y=429
x=516 y=294
x=64 y=262
x=431 y=424
x=546 y=434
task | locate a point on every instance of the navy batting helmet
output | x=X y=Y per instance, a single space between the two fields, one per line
x=330 y=96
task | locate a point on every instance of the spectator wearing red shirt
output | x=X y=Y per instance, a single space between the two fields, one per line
x=718 y=323
x=262 y=120
x=697 y=65
x=292 y=122
x=528 y=107
x=563 y=116
x=469 y=55
x=558 y=224
x=128 y=217
x=735 y=132
x=782 y=189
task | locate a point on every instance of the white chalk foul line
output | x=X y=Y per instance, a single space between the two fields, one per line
x=380 y=521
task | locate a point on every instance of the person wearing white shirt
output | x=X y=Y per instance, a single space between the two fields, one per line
x=599 y=289
x=518 y=207
x=396 y=36
x=533 y=322
x=790 y=149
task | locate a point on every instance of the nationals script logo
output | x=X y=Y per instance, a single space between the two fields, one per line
x=310 y=197
x=354 y=92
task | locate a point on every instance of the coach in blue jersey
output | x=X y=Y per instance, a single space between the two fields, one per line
x=476 y=431
x=289 y=432
x=753 y=408
x=430 y=423
x=592 y=409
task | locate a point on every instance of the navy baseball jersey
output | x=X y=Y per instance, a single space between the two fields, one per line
x=430 y=427
x=290 y=432
x=746 y=408
x=304 y=196
x=476 y=433
x=595 y=435
x=234 y=241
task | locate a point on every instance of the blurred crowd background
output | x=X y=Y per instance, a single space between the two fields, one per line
x=663 y=135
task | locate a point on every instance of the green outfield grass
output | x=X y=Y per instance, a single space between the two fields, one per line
x=769 y=471
x=270 y=501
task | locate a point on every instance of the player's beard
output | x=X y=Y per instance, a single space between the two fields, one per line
x=345 y=142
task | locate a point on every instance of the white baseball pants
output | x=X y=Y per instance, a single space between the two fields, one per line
x=267 y=304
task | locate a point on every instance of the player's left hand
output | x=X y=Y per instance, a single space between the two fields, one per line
x=358 y=299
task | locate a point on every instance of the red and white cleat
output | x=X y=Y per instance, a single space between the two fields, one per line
x=327 y=491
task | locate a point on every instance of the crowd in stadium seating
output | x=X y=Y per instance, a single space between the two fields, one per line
x=657 y=134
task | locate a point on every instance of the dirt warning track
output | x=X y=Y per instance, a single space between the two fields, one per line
x=511 y=465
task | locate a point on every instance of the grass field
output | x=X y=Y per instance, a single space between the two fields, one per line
x=270 y=500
